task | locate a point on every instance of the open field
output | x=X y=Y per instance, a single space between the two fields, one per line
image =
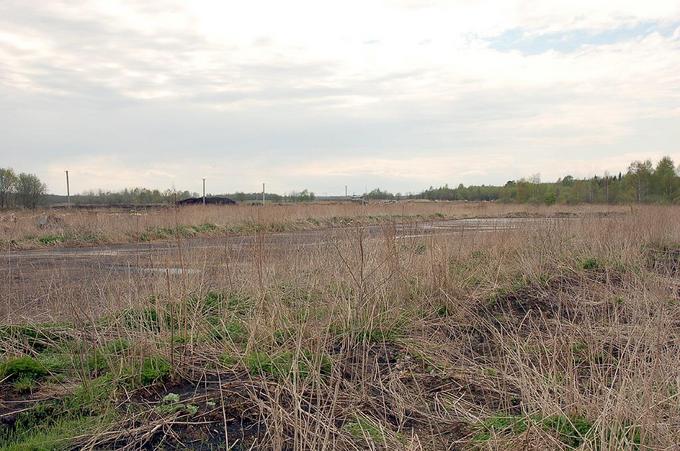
x=405 y=329
x=43 y=228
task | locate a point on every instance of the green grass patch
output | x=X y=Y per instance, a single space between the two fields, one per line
x=21 y=368
x=117 y=346
x=442 y=311
x=239 y=304
x=55 y=362
x=57 y=435
x=228 y=359
x=209 y=305
x=380 y=335
x=363 y=428
x=154 y=369
x=214 y=304
x=52 y=424
x=25 y=384
x=205 y=228
x=590 y=264
x=233 y=331
x=51 y=239
x=287 y=364
x=384 y=333
x=148 y=318
x=281 y=336
x=97 y=362
x=572 y=431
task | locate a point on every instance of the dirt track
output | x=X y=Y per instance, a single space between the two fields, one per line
x=131 y=256
x=33 y=277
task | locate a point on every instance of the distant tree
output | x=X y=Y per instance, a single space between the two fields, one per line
x=30 y=190
x=567 y=181
x=550 y=198
x=303 y=196
x=379 y=194
x=642 y=182
x=665 y=179
x=639 y=174
x=239 y=196
x=8 y=186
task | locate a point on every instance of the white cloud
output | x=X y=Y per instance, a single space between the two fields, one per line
x=408 y=91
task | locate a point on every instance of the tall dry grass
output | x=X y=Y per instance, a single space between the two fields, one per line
x=560 y=336
x=27 y=228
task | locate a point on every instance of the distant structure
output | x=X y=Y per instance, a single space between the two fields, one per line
x=212 y=200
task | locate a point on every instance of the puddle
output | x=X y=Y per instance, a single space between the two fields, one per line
x=142 y=270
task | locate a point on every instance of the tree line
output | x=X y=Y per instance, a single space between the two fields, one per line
x=20 y=190
x=643 y=182
x=295 y=196
x=131 y=196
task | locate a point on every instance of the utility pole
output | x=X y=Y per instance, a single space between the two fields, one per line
x=345 y=191
x=68 y=191
x=203 y=190
x=263 y=194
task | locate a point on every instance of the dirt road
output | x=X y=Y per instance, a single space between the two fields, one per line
x=36 y=277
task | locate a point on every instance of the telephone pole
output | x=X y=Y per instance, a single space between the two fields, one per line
x=68 y=191
x=345 y=191
x=263 y=194
x=203 y=190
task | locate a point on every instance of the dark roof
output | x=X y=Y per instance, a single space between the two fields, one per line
x=213 y=200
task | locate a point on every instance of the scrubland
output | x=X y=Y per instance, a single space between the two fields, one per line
x=560 y=336
x=25 y=229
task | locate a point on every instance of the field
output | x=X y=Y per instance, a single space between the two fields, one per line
x=340 y=326
x=39 y=228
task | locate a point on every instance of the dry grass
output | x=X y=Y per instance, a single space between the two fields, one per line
x=28 y=229
x=556 y=337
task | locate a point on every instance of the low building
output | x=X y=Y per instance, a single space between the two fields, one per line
x=211 y=200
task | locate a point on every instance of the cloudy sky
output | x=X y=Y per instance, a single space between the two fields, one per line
x=315 y=94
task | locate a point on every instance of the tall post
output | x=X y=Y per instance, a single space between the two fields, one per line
x=203 y=190
x=68 y=191
x=263 y=194
x=345 y=191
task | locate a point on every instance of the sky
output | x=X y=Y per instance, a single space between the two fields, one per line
x=398 y=94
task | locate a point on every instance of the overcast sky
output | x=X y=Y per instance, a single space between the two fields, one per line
x=399 y=94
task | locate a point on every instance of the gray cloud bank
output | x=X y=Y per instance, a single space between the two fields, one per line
x=153 y=94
